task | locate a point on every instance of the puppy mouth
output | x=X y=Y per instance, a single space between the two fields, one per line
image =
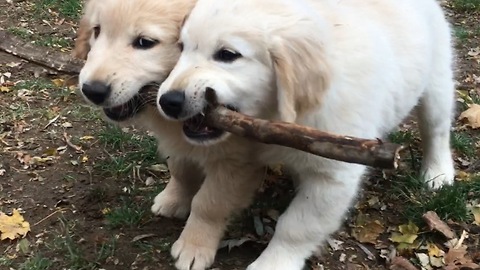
x=145 y=96
x=197 y=127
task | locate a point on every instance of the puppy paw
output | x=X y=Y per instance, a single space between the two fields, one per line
x=276 y=257
x=274 y=264
x=192 y=256
x=437 y=177
x=170 y=204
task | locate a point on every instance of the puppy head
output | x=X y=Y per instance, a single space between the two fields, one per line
x=265 y=59
x=130 y=46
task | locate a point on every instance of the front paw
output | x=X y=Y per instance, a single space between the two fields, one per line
x=193 y=255
x=171 y=204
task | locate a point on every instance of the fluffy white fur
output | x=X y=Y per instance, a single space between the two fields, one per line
x=353 y=67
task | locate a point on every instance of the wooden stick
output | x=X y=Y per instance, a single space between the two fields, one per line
x=375 y=153
x=51 y=59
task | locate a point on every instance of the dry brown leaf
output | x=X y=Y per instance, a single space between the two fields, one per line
x=455 y=259
x=14 y=226
x=471 y=116
x=435 y=223
x=366 y=230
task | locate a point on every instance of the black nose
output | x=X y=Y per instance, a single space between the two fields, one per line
x=97 y=92
x=172 y=103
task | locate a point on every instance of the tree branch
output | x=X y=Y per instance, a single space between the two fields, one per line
x=58 y=61
x=373 y=153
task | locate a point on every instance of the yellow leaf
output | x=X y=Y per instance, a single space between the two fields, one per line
x=409 y=228
x=476 y=214
x=58 y=82
x=5 y=89
x=84 y=159
x=434 y=251
x=408 y=234
x=87 y=138
x=14 y=226
x=463 y=176
x=403 y=238
x=472 y=116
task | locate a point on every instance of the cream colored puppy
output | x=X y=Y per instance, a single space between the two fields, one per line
x=353 y=67
x=130 y=46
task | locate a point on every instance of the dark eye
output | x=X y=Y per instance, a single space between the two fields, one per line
x=226 y=55
x=144 y=43
x=96 y=31
x=180 y=46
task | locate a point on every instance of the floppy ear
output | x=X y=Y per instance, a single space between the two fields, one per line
x=82 y=45
x=302 y=73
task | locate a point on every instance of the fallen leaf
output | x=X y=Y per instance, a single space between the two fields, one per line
x=335 y=244
x=5 y=89
x=23 y=246
x=231 y=243
x=67 y=125
x=14 y=226
x=408 y=234
x=435 y=223
x=367 y=230
x=456 y=259
x=86 y=138
x=149 y=181
x=58 y=82
x=159 y=168
x=471 y=116
x=476 y=214
x=143 y=236
x=424 y=260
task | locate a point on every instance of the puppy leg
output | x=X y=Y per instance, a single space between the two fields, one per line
x=435 y=117
x=316 y=211
x=176 y=198
x=226 y=190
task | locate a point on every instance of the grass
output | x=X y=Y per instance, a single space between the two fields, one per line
x=466 y=5
x=127 y=214
x=36 y=263
x=47 y=41
x=461 y=33
x=125 y=150
x=67 y=8
x=463 y=143
x=449 y=202
x=66 y=245
x=401 y=137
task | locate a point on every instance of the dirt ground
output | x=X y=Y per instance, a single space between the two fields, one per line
x=86 y=187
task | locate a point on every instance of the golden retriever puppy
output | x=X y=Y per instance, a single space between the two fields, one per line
x=353 y=67
x=130 y=47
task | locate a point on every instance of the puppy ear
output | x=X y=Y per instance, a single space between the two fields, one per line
x=82 y=44
x=302 y=73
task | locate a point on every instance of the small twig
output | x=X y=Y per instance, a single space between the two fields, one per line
x=69 y=143
x=49 y=216
x=460 y=241
x=51 y=122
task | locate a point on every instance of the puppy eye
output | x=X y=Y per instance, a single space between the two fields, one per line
x=144 y=43
x=96 y=31
x=180 y=46
x=226 y=55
